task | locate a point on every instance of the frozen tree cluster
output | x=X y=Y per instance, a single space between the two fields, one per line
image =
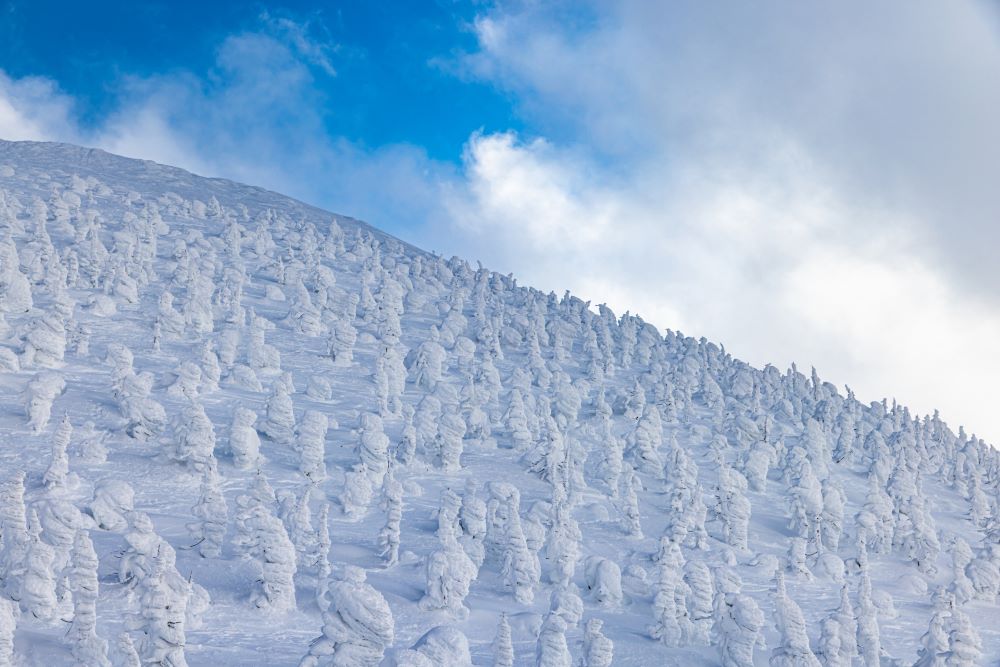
x=240 y=426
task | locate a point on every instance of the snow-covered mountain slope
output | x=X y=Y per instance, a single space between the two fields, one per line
x=239 y=430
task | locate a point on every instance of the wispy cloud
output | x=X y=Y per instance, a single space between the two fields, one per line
x=802 y=183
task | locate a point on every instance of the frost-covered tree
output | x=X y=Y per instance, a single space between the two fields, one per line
x=450 y=439
x=563 y=547
x=9 y=614
x=244 y=443
x=472 y=521
x=279 y=423
x=55 y=474
x=128 y=656
x=961 y=586
x=733 y=507
x=425 y=363
x=392 y=504
x=14 y=538
x=162 y=615
x=263 y=537
x=193 y=438
x=672 y=626
x=519 y=565
x=38 y=583
x=503 y=646
x=357 y=626
x=832 y=519
x=113 y=500
x=793 y=649
x=935 y=643
x=738 y=627
x=552 y=649
x=629 y=503
x=516 y=422
x=357 y=493
x=41 y=392
x=645 y=441
x=598 y=650
x=212 y=513
x=604 y=580
x=143 y=545
x=966 y=646
x=450 y=573
x=373 y=448
x=343 y=336
x=312 y=446
x=88 y=648
x=869 y=637
x=701 y=591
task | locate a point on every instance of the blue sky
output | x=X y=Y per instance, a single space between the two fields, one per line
x=810 y=182
x=382 y=76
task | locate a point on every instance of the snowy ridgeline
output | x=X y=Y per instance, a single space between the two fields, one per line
x=241 y=431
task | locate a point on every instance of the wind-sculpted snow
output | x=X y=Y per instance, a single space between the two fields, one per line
x=239 y=430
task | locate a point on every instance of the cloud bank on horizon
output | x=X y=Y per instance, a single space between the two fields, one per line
x=800 y=182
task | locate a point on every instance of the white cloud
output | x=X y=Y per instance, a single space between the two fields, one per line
x=801 y=182
x=763 y=262
x=32 y=109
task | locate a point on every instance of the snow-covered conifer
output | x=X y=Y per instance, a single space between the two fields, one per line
x=738 y=627
x=503 y=646
x=425 y=363
x=563 y=546
x=552 y=649
x=312 y=446
x=162 y=615
x=604 y=579
x=55 y=474
x=700 y=593
x=472 y=520
x=279 y=423
x=266 y=540
x=14 y=537
x=41 y=392
x=645 y=441
x=733 y=507
x=9 y=614
x=88 y=648
x=244 y=443
x=598 y=650
x=869 y=637
x=629 y=503
x=357 y=493
x=343 y=336
x=935 y=643
x=966 y=646
x=38 y=583
x=793 y=649
x=128 y=656
x=143 y=544
x=671 y=623
x=450 y=573
x=357 y=626
x=450 y=439
x=113 y=499
x=194 y=437
x=212 y=514
x=392 y=504
x=373 y=448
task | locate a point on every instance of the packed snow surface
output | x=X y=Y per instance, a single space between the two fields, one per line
x=239 y=430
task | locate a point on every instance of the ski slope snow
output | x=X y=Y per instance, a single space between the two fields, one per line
x=292 y=438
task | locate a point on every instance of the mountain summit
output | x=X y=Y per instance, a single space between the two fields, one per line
x=240 y=430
